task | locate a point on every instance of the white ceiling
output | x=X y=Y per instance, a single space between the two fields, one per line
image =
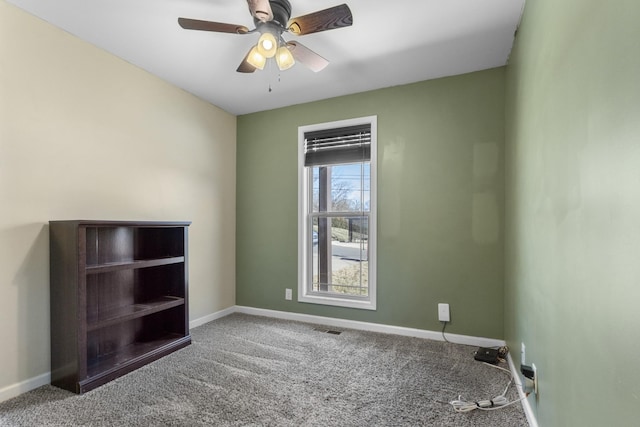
x=390 y=43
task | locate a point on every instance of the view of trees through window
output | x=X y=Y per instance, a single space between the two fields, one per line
x=340 y=228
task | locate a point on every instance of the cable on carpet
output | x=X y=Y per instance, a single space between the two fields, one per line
x=498 y=402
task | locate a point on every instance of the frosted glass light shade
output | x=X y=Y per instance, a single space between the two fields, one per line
x=256 y=59
x=284 y=58
x=267 y=45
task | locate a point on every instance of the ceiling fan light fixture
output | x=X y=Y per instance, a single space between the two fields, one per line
x=256 y=59
x=267 y=45
x=284 y=58
x=271 y=19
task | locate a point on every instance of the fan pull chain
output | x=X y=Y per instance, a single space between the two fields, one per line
x=270 y=74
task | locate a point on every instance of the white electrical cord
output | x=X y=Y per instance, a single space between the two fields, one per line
x=497 y=402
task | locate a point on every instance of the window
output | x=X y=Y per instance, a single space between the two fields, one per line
x=337 y=218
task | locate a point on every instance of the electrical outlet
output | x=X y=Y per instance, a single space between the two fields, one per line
x=287 y=294
x=443 y=312
x=522 y=354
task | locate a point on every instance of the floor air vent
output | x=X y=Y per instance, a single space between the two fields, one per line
x=327 y=331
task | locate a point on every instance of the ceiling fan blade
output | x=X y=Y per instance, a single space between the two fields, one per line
x=261 y=10
x=307 y=57
x=244 y=66
x=218 y=27
x=328 y=19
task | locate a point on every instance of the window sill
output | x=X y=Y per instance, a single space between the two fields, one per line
x=338 y=302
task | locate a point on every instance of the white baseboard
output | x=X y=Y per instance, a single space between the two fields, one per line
x=14 y=390
x=211 y=317
x=371 y=327
x=526 y=405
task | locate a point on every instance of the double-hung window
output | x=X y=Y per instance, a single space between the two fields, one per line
x=337 y=217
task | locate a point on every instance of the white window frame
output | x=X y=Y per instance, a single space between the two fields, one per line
x=304 y=236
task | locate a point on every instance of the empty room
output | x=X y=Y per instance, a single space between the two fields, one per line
x=302 y=213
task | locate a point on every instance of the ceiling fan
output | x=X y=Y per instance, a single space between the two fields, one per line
x=271 y=19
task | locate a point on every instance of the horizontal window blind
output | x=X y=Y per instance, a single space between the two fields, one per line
x=350 y=144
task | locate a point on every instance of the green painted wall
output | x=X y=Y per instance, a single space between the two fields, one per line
x=573 y=208
x=440 y=190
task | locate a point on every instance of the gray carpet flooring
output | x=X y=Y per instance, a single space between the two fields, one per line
x=254 y=371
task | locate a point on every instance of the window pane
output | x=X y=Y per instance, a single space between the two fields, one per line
x=340 y=258
x=347 y=187
x=341 y=188
x=315 y=189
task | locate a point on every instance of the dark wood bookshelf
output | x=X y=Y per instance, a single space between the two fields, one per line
x=110 y=364
x=129 y=265
x=119 y=298
x=117 y=315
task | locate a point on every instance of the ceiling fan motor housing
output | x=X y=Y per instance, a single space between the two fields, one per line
x=281 y=11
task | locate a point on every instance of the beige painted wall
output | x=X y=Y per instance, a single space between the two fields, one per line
x=85 y=135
